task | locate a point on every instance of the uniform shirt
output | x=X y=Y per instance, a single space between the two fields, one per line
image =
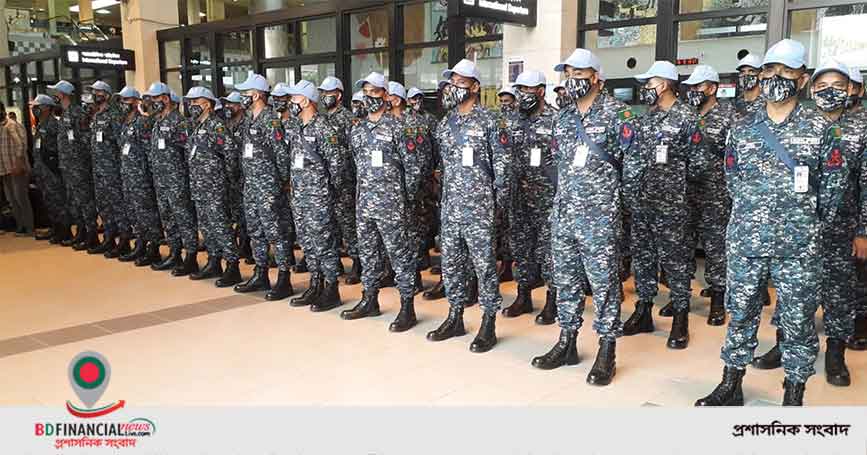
x=73 y=142
x=135 y=139
x=848 y=138
x=208 y=147
x=233 y=161
x=167 y=148
x=533 y=164
x=318 y=162
x=341 y=120
x=45 y=145
x=475 y=164
x=105 y=130
x=746 y=109
x=388 y=172
x=263 y=153
x=768 y=218
x=415 y=135
x=714 y=125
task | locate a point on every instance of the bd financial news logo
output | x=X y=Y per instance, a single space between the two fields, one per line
x=89 y=373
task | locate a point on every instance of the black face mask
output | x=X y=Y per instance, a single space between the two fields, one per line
x=157 y=107
x=99 y=99
x=56 y=99
x=358 y=110
x=507 y=107
x=563 y=101
x=329 y=101
x=777 y=88
x=196 y=111
x=125 y=108
x=373 y=104
x=246 y=101
x=295 y=109
x=528 y=102
x=578 y=88
x=417 y=106
x=747 y=82
x=830 y=99
x=696 y=98
x=648 y=96
x=280 y=105
x=458 y=95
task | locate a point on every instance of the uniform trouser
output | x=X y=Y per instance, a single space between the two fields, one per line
x=709 y=215
x=659 y=239
x=212 y=214
x=15 y=187
x=463 y=244
x=108 y=190
x=53 y=193
x=860 y=291
x=79 y=193
x=345 y=214
x=503 y=229
x=266 y=225
x=530 y=237
x=797 y=280
x=586 y=248
x=388 y=238
x=317 y=234
x=178 y=217
x=138 y=192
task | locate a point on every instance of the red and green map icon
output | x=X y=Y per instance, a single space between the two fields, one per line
x=89 y=373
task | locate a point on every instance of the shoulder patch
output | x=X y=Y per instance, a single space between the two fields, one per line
x=701 y=123
x=220 y=129
x=503 y=124
x=332 y=139
x=626 y=114
x=837 y=132
x=275 y=123
x=835 y=159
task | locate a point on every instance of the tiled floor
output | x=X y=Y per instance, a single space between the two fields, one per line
x=172 y=341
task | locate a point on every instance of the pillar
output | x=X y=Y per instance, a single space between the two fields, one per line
x=85 y=12
x=144 y=18
x=216 y=10
x=193 y=12
x=548 y=43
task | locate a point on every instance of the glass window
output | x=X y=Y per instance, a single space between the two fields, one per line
x=200 y=50
x=277 y=75
x=624 y=51
x=476 y=28
x=618 y=10
x=237 y=47
x=433 y=18
x=719 y=42
x=364 y=64
x=234 y=75
x=316 y=72
x=48 y=72
x=172 y=51
x=834 y=32
x=319 y=35
x=201 y=77
x=369 y=29
x=423 y=68
x=488 y=56
x=697 y=6
x=173 y=80
x=279 y=40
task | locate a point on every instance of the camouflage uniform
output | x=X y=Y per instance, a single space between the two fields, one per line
x=264 y=162
x=775 y=233
x=341 y=120
x=746 y=109
x=475 y=182
x=107 y=183
x=655 y=180
x=171 y=181
x=233 y=173
x=860 y=298
x=73 y=145
x=138 y=186
x=318 y=167
x=502 y=224
x=388 y=179
x=587 y=210
x=208 y=148
x=415 y=137
x=47 y=173
x=708 y=196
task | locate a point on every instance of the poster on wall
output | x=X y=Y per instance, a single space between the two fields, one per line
x=516 y=67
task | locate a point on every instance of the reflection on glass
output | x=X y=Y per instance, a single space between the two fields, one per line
x=364 y=64
x=431 y=15
x=279 y=40
x=836 y=32
x=172 y=53
x=717 y=42
x=200 y=52
x=477 y=28
x=315 y=73
x=319 y=35
x=618 y=10
x=237 y=47
x=488 y=56
x=617 y=48
x=173 y=80
x=369 y=29
x=277 y=75
x=423 y=68
x=234 y=75
x=201 y=78
x=696 y=6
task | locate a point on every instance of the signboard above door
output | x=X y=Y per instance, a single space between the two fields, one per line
x=521 y=12
x=95 y=57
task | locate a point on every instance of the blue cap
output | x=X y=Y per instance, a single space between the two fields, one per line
x=375 y=79
x=42 y=100
x=464 y=68
x=281 y=89
x=397 y=89
x=174 y=97
x=200 y=92
x=580 y=59
x=660 y=68
x=750 y=60
x=63 y=87
x=129 y=92
x=442 y=84
x=101 y=86
x=358 y=96
x=157 y=89
x=831 y=65
x=305 y=89
x=855 y=75
x=331 y=83
x=530 y=79
x=702 y=73
x=508 y=90
x=787 y=52
x=254 y=82
x=234 y=97
x=414 y=92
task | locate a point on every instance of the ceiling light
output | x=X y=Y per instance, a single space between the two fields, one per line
x=202 y=14
x=96 y=4
x=102 y=11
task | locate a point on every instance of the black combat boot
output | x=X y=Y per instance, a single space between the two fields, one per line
x=188 y=266
x=405 y=319
x=354 y=275
x=417 y=284
x=472 y=291
x=79 y=237
x=151 y=256
x=504 y=271
x=549 y=312
x=368 y=306
x=314 y=288
x=231 y=276
x=486 y=339
x=717 y=314
x=641 y=320
x=47 y=235
x=667 y=311
x=564 y=352
x=213 y=269
x=765 y=297
x=245 y=250
x=61 y=233
x=301 y=266
x=283 y=287
x=859 y=340
x=438 y=291
x=170 y=262
x=604 y=368
x=678 y=338
x=424 y=260
x=258 y=282
x=453 y=326
x=794 y=393
x=121 y=249
x=328 y=299
x=729 y=392
x=523 y=303
x=773 y=358
x=387 y=279
x=107 y=244
x=137 y=252
x=836 y=371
